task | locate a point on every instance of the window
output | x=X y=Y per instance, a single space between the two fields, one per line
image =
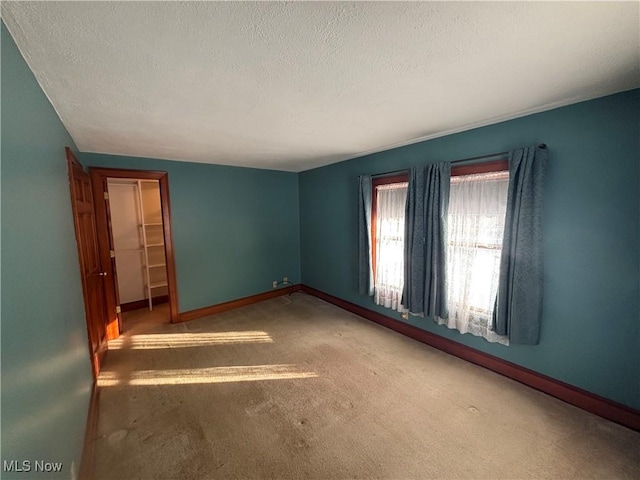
x=387 y=238
x=477 y=209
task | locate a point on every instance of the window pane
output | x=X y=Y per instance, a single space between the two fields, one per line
x=477 y=209
x=389 y=278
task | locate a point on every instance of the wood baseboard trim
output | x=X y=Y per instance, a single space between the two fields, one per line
x=240 y=302
x=138 y=304
x=578 y=397
x=88 y=459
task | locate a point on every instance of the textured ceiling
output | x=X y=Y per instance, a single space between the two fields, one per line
x=292 y=86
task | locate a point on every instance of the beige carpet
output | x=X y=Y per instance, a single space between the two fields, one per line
x=297 y=388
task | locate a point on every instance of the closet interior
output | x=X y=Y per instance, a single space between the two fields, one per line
x=138 y=242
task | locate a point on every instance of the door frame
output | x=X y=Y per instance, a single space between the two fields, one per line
x=99 y=178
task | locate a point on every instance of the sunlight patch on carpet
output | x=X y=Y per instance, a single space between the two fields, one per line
x=185 y=340
x=249 y=373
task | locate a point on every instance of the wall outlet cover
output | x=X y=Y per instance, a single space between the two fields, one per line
x=275 y=284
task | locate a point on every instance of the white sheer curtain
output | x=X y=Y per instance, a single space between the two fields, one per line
x=477 y=209
x=389 y=274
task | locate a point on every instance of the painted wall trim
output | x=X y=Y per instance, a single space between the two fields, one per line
x=240 y=302
x=616 y=412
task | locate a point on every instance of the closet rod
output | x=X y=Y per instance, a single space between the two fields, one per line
x=470 y=159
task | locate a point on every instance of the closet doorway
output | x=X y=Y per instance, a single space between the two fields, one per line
x=138 y=243
x=134 y=231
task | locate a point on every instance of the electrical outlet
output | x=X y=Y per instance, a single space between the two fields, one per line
x=285 y=279
x=405 y=315
x=275 y=284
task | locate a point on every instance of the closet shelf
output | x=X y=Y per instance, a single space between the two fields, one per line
x=151 y=223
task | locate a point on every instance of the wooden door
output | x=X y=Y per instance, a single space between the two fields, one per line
x=92 y=274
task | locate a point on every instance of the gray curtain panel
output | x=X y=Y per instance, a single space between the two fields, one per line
x=365 y=269
x=518 y=307
x=425 y=283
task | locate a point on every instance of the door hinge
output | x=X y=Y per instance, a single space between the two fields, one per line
x=112 y=253
x=106 y=195
x=118 y=309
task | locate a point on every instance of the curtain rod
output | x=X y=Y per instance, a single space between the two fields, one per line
x=470 y=159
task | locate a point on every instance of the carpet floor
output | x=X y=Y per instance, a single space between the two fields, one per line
x=294 y=387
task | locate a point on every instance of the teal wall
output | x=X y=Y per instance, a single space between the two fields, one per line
x=235 y=230
x=46 y=371
x=590 y=327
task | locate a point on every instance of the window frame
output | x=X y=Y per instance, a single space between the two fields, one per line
x=482 y=167
x=500 y=165
x=497 y=165
x=375 y=183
